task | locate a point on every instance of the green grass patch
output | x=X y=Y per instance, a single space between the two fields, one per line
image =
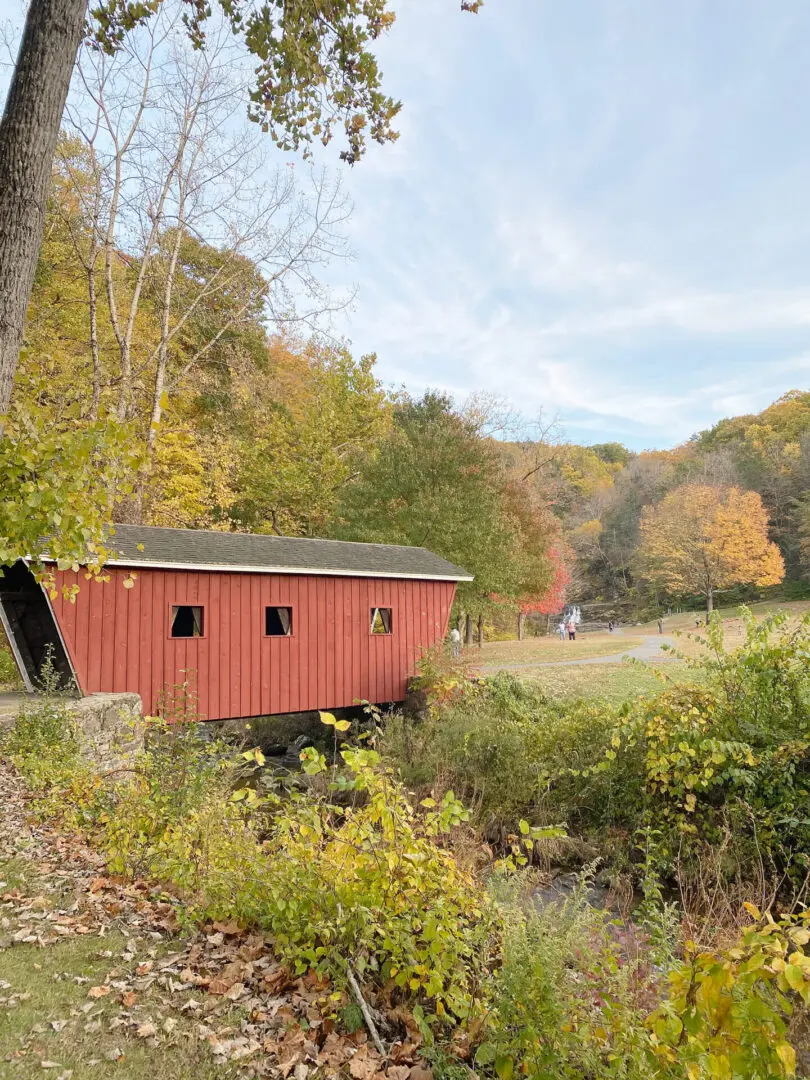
x=614 y=682
x=47 y=1016
x=551 y=650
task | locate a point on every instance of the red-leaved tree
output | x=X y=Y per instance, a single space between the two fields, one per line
x=553 y=599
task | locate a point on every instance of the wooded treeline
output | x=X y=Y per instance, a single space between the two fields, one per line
x=240 y=417
x=603 y=492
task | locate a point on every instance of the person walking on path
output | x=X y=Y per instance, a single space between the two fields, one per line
x=572 y=629
x=660 y=626
x=455 y=641
x=561 y=629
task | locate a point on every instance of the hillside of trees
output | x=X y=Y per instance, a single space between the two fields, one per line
x=600 y=494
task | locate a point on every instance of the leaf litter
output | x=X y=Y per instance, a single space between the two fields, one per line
x=219 y=986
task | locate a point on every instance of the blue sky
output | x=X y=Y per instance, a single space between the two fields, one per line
x=597 y=208
x=600 y=209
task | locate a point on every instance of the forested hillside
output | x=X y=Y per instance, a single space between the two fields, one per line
x=604 y=494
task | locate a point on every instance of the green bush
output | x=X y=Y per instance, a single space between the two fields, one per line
x=364 y=884
x=571 y=997
x=731 y=756
x=579 y=997
x=508 y=751
x=42 y=744
x=728 y=1013
x=721 y=762
x=9 y=676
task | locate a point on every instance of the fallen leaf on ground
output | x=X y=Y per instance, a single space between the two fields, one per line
x=365 y=1064
x=421 y=1072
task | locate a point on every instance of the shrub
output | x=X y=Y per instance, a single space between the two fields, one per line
x=508 y=751
x=42 y=744
x=577 y=996
x=364 y=886
x=571 y=997
x=728 y=1014
x=9 y=676
x=732 y=755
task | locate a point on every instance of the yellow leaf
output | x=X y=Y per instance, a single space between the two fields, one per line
x=342 y=725
x=787 y=1055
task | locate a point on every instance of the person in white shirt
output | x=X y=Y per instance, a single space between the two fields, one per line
x=455 y=641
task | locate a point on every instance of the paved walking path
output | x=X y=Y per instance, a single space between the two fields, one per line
x=649 y=649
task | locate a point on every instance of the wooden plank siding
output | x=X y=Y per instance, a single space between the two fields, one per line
x=119 y=639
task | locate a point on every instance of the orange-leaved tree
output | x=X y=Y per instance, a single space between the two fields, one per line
x=552 y=600
x=699 y=539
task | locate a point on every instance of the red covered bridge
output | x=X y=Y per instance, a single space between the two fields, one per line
x=269 y=624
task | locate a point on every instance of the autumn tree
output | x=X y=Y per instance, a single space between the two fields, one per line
x=302 y=434
x=439 y=480
x=701 y=539
x=315 y=73
x=550 y=598
x=434 y=482
x=539 y=572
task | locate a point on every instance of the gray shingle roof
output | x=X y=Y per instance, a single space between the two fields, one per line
x=141 y=545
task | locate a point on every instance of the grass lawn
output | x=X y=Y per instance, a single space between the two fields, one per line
x=686 y=620
x=49 y=1026
x=614 y=682
x=80 y=1007
x=550 y=649
x=688 y=636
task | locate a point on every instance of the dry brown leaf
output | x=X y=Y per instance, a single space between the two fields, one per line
x=98 y=991
x=252 y=948
x=421 y=1072
x=403 y=1053
x=232 y=928
x=365 y=1064
x=128 y=999
x=398 y=1072
x=235 y=992
x=287 y=1064
x=230 y=974
x=146 y=1031
x=275 y=979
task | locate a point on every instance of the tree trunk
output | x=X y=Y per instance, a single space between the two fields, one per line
x=468 y=630
x=28 y=133
x=480 y=631
x=709 y=601
x=521 y=624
